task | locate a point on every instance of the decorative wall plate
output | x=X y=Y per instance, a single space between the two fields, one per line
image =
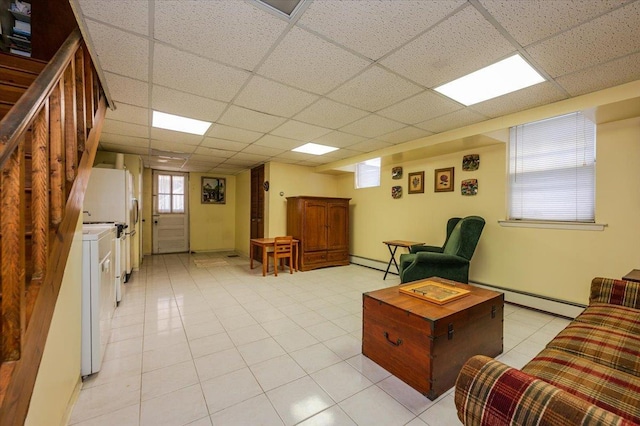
x=470 y=162
x=396 y=192
x=396 y=173
x=469 y=187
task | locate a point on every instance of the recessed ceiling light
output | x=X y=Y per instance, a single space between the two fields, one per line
x=285 y=6
x=162 y=120
x=314 y=148
x=498 y=79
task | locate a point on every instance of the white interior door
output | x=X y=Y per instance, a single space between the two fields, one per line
x=170 y=212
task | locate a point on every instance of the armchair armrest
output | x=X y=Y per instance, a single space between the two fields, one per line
x=615 y=292
x=489 y=392
x=440 y=258
x=428 y=264
x=419 y=247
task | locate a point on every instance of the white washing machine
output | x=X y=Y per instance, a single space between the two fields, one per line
x=98 y=293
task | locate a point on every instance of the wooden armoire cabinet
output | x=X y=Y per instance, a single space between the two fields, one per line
x=322 y=226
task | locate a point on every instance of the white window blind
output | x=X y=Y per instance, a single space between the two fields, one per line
x=368 y=173
x=552 y=170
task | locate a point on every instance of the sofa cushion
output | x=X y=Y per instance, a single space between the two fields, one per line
x=615 y=317
x=615 y=292
x=605 y=387
x=604 y=345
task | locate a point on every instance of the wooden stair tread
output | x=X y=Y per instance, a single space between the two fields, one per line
x=16 y=76
x=22 y=63
x=10 y=93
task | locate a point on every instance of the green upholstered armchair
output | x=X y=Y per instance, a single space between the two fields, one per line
x=451 y=261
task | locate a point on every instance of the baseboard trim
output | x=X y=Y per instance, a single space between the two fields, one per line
x=554 y=306
x=72 y=402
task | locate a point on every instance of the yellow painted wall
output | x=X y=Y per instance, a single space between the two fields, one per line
x=59 y=374
x=554 y=263
x=243 y=212
x=211 y=226
x=292 y=181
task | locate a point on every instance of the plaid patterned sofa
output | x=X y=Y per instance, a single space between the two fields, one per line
x=589 y=374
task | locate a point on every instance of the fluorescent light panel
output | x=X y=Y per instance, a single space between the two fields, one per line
x=163 y=120
x=314 y=148
x=506 y=76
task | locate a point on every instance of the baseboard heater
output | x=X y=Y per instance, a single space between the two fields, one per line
x=529 y=300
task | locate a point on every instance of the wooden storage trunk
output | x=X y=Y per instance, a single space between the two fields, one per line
x=425 y=344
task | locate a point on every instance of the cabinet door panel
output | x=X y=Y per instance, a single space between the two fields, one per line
x=315 y=218
x=338 y=221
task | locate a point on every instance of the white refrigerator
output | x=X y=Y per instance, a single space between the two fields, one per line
x=109 y=198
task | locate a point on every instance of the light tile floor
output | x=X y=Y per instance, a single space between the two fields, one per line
x=225 y=346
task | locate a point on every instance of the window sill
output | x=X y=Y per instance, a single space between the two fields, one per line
x=576 y=226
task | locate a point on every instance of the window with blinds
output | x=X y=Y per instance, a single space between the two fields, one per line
x=368 y=173
x=552 y=170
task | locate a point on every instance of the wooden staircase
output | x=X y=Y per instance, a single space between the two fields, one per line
x=51 y=116
x=16 y=75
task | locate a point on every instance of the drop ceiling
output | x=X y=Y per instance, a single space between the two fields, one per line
x=353 y=74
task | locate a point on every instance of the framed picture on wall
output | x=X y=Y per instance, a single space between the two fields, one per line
x=416 y=183
x=214 y=190
x=443 y=180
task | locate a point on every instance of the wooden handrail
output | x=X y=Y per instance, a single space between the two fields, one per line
x=14 y=123
x=48 y=142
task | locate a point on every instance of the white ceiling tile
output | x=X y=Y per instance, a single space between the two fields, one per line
x=421 y=107
x=120 y=52
x=171 y=136
x=372 y=126
x=341 y=154
x=233 y=133
x=262 y=150
x=124 y=140
x=185 y=104
x=128 y=90
x=463 y=43
x=532 y=20
x=248 y=157
x=212 y=152
x=187 y=72
x=129 y=113
x=233 y=32
x=306 y=61
x=339 y=139
x=374 y=28
x=599 y=77
x=243 y=162
x=409 y=133
x=453 y=120
x=294 y=157
x=540 y=94
x=278 y=142
x=223 y=144
x=122 y=128
x=256 y=121
x=225 y=169
x=273 y=98
x=327 y=113
x=173 y=147
x=125 y=149
x=300 y=131
x=131 y=15
x=166 y=164
x=369 y=145
x=201 y=155
x=281 y=159
x=608 y=37
x=374 y=89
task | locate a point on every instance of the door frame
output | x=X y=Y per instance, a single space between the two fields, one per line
x=154 y=208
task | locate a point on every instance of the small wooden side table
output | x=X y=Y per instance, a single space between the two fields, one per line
x=634 y=275
x=395 y=244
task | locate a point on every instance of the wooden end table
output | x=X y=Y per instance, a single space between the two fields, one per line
x=395 y=244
